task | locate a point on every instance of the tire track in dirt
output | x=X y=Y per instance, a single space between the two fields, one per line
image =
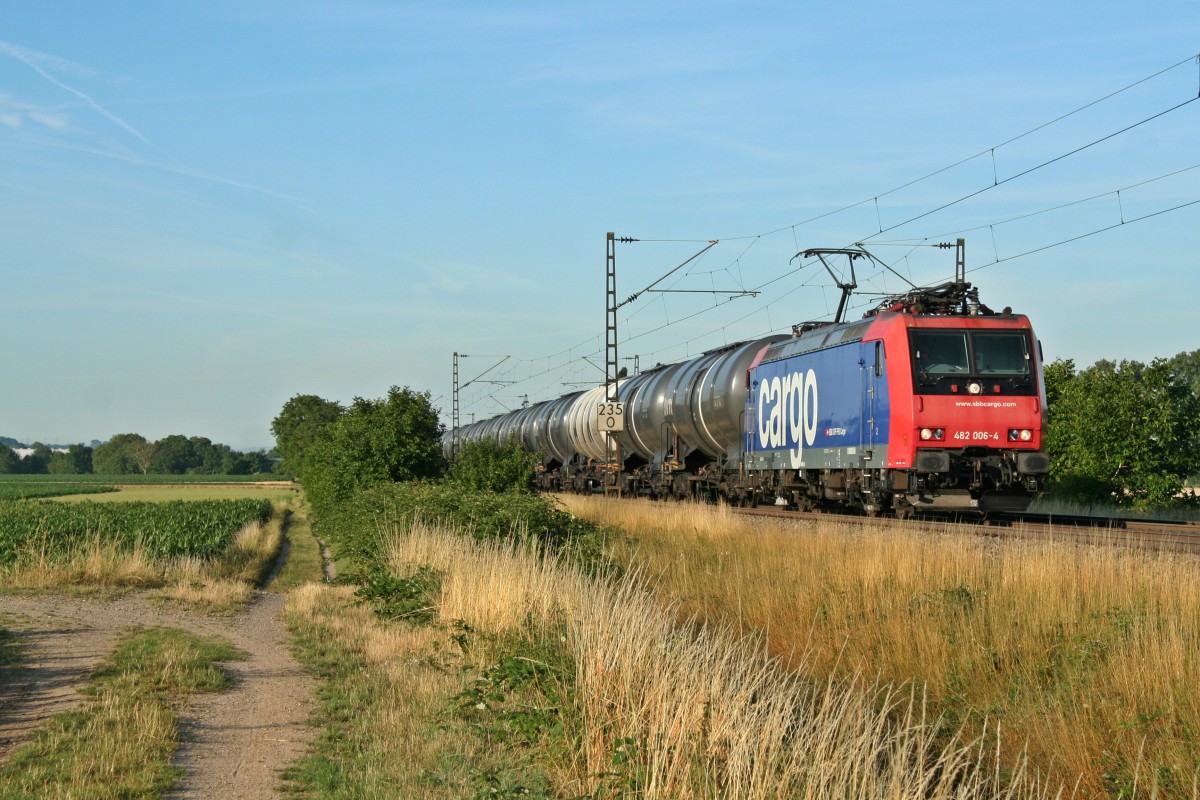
x=233 y=744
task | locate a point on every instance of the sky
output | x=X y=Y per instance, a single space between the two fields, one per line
x=208 y=208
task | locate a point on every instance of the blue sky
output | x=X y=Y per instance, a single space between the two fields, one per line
x=207 y=208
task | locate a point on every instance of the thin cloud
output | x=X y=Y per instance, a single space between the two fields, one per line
x=35 y=61
x=14 y=114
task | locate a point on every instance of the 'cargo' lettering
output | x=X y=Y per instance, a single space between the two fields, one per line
x=787 y=412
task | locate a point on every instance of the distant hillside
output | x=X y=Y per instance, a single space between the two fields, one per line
x=10 y=442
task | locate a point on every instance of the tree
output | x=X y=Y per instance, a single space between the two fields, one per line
x=37 y=462
x=297 y=426
x=76 y=461
x=1187 y=366
x=397 y=438
x=115 y=456
x=10 y=462
x=209 y=457
x=1123 y=431
x=173 y=455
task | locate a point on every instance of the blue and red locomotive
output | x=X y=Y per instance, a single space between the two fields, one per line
x=931 y=401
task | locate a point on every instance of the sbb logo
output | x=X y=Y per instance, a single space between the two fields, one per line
x=787 y=411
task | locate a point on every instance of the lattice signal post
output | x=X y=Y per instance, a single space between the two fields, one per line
x=610 y=414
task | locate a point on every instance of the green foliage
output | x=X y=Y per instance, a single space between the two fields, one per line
x=409 y=598
x=76 y=461
x=519 y=707
x=485 y=466
x=397 y=438
x=37 y=462
x=1128 y=432
x=11 y=490
x=1187 y=366
x=200 y=528
x=124 y=453
x=132 y=454
x=354 y=527
x=10 y=462
x=296 y=427
x=69 y=480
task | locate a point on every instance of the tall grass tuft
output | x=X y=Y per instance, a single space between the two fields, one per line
x=1086 y=657
x=661 y=709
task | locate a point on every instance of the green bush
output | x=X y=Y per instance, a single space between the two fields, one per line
x=355 y=528
x=487 y=466
x=1083 y=490
x=397 y=438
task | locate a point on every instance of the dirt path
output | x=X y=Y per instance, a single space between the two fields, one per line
x=233 y=743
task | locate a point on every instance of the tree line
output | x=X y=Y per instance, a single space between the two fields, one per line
x=1125 y=432
x=133 y=454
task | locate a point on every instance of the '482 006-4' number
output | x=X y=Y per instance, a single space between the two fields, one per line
x=975 y=436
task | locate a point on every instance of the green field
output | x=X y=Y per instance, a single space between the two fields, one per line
x=28 y=489
x=147 y=488
x=45 y=528
x=137 y=480
x=168 y=493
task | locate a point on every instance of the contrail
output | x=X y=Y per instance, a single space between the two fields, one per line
x=31 y=59
x=34 y=60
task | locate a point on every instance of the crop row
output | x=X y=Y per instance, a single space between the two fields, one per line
x=24 y=491
x=133 y=479
x=200 y=528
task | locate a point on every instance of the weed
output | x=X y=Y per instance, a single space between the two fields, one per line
x=411 y=598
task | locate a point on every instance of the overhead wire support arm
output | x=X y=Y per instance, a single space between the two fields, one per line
x=485 y=372
x=734 y=292
x=711 y=244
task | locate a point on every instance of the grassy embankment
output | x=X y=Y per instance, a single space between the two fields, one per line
x=304 y=563
x=1088 y=657
x=497 y=670
x=120 y=743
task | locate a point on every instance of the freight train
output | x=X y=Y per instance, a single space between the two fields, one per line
x=930 y=402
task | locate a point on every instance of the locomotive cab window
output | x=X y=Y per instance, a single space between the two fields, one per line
x=938 y=353
x=1001 y=353
x=947 y=361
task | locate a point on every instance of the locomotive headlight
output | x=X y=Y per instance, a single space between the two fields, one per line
x=926 y=434
x=1026 y=435
x=974 y=387
x=933 y=434
x=1023 y=435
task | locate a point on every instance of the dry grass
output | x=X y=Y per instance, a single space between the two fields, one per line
x=222 y=583
x=229 y=581
x=119 y=744
x=695 y=710
x=1088 y=657
x=98 y=565
x=386 y=692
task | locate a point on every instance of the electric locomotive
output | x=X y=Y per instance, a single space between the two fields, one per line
x=932 y=401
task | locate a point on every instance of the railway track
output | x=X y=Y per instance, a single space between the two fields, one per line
x=1155 y=535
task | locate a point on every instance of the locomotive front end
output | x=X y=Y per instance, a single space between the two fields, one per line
x=974 y=436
